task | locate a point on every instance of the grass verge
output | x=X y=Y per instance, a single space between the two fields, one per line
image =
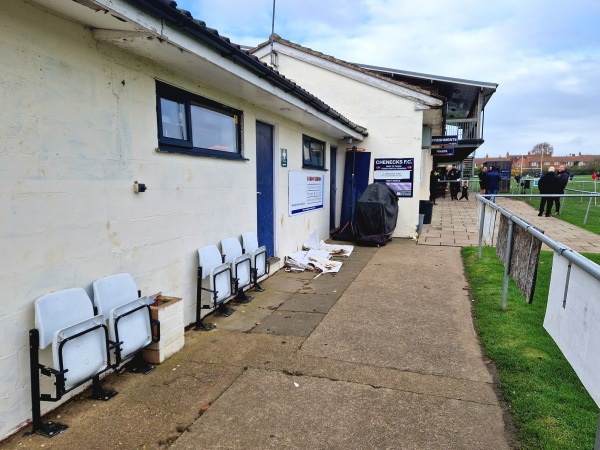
x=551 y=409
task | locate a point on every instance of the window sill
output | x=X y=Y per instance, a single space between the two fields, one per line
x=320 y=169
x=202 y=153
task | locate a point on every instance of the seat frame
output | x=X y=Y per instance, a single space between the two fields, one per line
x=255 y=254
x=51 y=429
x=216 y=304
x=135 y=360
x=238 y=260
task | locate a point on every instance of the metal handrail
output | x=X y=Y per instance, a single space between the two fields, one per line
x=581 y=261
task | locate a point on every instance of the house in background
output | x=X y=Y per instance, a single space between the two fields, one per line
x=402 y=110
x=98 y=94
x=536 y=163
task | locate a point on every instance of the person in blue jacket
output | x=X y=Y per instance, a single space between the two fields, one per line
x=493 y=182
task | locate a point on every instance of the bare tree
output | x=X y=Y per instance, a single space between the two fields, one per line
x=543 y=148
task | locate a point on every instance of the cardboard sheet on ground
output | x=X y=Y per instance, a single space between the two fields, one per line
x=310 y=260
x=573 y=320
x=314 y=243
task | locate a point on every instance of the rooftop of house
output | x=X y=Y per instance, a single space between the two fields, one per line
x=275 y=38
x=460 y=95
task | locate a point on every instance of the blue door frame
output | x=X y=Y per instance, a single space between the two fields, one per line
x=264 y=187
x=332 y=186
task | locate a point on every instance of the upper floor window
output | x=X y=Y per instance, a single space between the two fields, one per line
x=313 y=152
x=188 y=123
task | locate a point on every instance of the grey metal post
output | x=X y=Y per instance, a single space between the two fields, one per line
x=481 y=219
x=507 y=256
x=587 y=211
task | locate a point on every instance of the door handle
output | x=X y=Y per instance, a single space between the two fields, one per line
x=259 y=193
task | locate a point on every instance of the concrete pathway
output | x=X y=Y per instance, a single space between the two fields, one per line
x=381 y=355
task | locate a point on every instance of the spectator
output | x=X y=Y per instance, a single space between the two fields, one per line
x=465 y=191
x=454 y=178
x=433 y=185
x=563 y=180
x=482 y=179
x=548 y=184
x=493 y=182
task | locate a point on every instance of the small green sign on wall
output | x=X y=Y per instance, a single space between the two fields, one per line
x=284 y=157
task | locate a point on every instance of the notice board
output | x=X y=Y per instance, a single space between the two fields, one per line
x=305 y=192
x=397 y=173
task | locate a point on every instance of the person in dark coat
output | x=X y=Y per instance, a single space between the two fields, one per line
x=493 y=182
x=454 y=177
x=563 y=180
x=482 y=179
x=433 y=185
x=548 y=184
x=465 y=191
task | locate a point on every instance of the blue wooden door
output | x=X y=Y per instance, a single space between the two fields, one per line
x=264 y=186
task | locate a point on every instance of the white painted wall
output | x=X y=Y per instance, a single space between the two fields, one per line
x=394 y=124
x=78 y=127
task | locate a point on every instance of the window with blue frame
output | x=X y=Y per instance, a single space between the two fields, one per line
x=313 y=152
x=188 y=123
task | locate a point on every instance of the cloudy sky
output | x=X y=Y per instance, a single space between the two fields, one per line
x=544 y=54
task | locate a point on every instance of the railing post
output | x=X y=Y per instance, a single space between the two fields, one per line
x=507 y=257
x=588 y=210
x=481 y=219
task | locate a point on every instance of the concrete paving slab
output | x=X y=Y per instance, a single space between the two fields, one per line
x=289 y=323
x=270 y=410
x=222 y=347
x=281 y=283
x=310 y=302
x=247 y=315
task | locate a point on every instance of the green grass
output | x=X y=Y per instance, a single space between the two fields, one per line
x=550 y=407
x=574 y=209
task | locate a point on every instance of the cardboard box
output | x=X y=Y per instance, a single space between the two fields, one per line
x=169 y=311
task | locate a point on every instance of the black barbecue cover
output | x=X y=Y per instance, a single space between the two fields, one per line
x=376 y=215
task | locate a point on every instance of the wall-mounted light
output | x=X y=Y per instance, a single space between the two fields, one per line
x=138 y=187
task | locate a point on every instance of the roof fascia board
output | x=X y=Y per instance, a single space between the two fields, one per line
x=425 y=76
x=189 y=45
x=356 y=75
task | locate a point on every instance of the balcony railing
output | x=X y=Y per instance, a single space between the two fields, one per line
x=463 y=128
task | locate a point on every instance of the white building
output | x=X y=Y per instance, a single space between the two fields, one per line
x=395 y=113
x=99 y=94
x=81 y=86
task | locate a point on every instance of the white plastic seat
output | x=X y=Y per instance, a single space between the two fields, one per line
x=79 y=339
x=211 y=266
x=80 y=351
x=241 y=263
x=129 y=318
x=258 y=254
